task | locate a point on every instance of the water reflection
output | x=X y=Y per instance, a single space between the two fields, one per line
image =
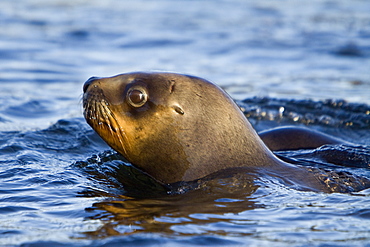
x=166 y=215
x=144 y=206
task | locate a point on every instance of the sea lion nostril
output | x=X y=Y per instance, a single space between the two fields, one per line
x=88 y=83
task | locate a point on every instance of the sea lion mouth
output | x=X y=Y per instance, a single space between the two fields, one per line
x=99 y=115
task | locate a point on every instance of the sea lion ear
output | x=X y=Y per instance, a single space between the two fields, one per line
x=178 y=109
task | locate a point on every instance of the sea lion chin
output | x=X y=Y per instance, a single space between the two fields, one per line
x=177 y=127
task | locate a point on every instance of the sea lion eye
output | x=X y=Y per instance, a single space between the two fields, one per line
x=136 y=97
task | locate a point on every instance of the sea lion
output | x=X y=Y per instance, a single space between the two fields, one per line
x=177 y=128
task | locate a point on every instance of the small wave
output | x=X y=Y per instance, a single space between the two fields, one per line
x=329 y=113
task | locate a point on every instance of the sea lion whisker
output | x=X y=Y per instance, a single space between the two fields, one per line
x=92 y=110
x=114 y=127
x=109 y=118
x=97 y=112
x=82 y=99
x=88 y=109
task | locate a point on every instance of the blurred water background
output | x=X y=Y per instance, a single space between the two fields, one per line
x=289 y=50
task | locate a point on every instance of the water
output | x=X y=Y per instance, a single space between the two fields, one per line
x=56 y=191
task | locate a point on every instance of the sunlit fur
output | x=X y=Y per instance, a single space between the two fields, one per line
x=98 y=114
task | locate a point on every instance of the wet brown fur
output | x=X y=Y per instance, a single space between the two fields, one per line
x=188 y=128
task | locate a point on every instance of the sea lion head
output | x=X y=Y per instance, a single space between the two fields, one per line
x=173 y=127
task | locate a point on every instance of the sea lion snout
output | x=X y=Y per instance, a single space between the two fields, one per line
x=89 y=82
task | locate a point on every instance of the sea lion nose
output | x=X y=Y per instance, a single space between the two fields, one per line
x=89 y=82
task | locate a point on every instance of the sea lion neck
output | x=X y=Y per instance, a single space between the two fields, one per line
x=230 y=143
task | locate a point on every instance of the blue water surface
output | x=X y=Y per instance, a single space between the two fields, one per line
x=59 y=188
